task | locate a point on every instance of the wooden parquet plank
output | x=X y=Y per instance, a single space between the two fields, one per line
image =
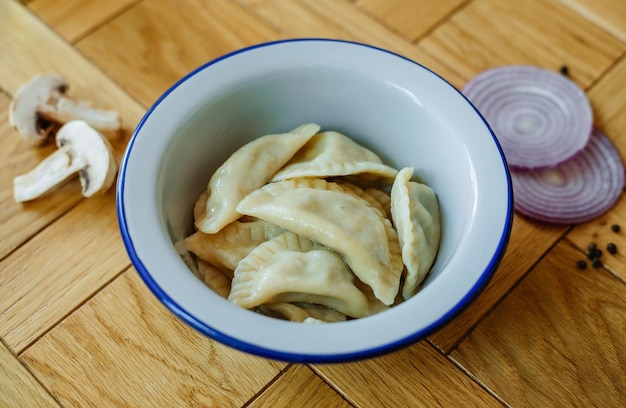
x=33 y=48
x=124 y=349
x=518 y=260
x=412 y=19
x=379 y=382
x=18 y=388
x=299 y=387
x=58 y=269
x=19 y=222
x=488 y=33
x=161 y=46
x=609 y=104
x=607 y=14
x=557 y=340
x=609 y=107
x=338 y=19
x=75 y=18
x=520 y=256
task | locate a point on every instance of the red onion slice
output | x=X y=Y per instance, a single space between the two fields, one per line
x=540 y=117
x=575 y=191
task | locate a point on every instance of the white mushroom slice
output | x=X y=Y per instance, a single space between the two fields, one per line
x=83 y=151
x=415 y=212
x=66 y=110
x=246 y=170
x=41 y=107
x=23 y=110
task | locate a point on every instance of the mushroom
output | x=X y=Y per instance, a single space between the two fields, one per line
x=81 y=149
x=41 y=107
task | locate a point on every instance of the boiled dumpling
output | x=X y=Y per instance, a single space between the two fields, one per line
x=247 y=169
x=199 y=208
x=383 y=198
x=415 y=213
x=321 y=211
x=330 y=154
x=215 y=279
x=369 y=195
x=290 y=268
x=301 y=311
x=230 y=245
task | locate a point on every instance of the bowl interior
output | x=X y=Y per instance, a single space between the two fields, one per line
x=400 y=110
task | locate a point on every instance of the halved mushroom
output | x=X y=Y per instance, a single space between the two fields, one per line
x=82 y=150
x=41 y=107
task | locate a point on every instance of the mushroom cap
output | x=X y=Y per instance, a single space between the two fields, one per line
x=93 y=149
x=23 y=114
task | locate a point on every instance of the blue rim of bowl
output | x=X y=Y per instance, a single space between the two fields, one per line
x=244 y=346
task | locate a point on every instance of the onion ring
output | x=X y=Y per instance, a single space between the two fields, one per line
x=540 y=118
x=575 y=191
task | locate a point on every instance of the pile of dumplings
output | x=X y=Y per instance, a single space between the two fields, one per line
x=312 y=227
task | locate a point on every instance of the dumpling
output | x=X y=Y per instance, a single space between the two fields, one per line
x=322 y=313
x=290 y=268
x=330 y=154
x=247 y=169
x=301 y=311
x=215 y=279
x=199 y=208
x=415 y=212
x=372 y=198
x=319 y=210
x=231 y=244
x=383 y=198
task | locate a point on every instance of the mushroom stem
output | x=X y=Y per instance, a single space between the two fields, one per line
x=66 y=110
x=50 y=173
x=83 y=151
x=41 y=107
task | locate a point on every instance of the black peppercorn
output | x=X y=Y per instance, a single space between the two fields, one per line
x=594 y=253
x=591 y=247
x=581 y=264
x=564 y=70
x=611 y=248
x=615 y=228
x=596 y=263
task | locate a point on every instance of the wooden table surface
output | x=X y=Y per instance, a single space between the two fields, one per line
x=78 y=328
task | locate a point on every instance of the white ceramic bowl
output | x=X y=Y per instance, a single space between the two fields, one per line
x=394 y=106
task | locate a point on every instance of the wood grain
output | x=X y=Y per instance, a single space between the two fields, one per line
x=557 y=340
x=161 y=46
x=608 y=14
x=383 y=381
x=609 y=107
x=599 y=232
x=34 y=48
x=489 y=33
x=609 y=104
x=412 y=19
x=339 y=19
x=57 y=270
x=299 y=387
x=76 y=330
x=19 y=222
x=18 y=388
x=517 y=261
x=24 y=40
x=124 y=349
x=73 y=19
